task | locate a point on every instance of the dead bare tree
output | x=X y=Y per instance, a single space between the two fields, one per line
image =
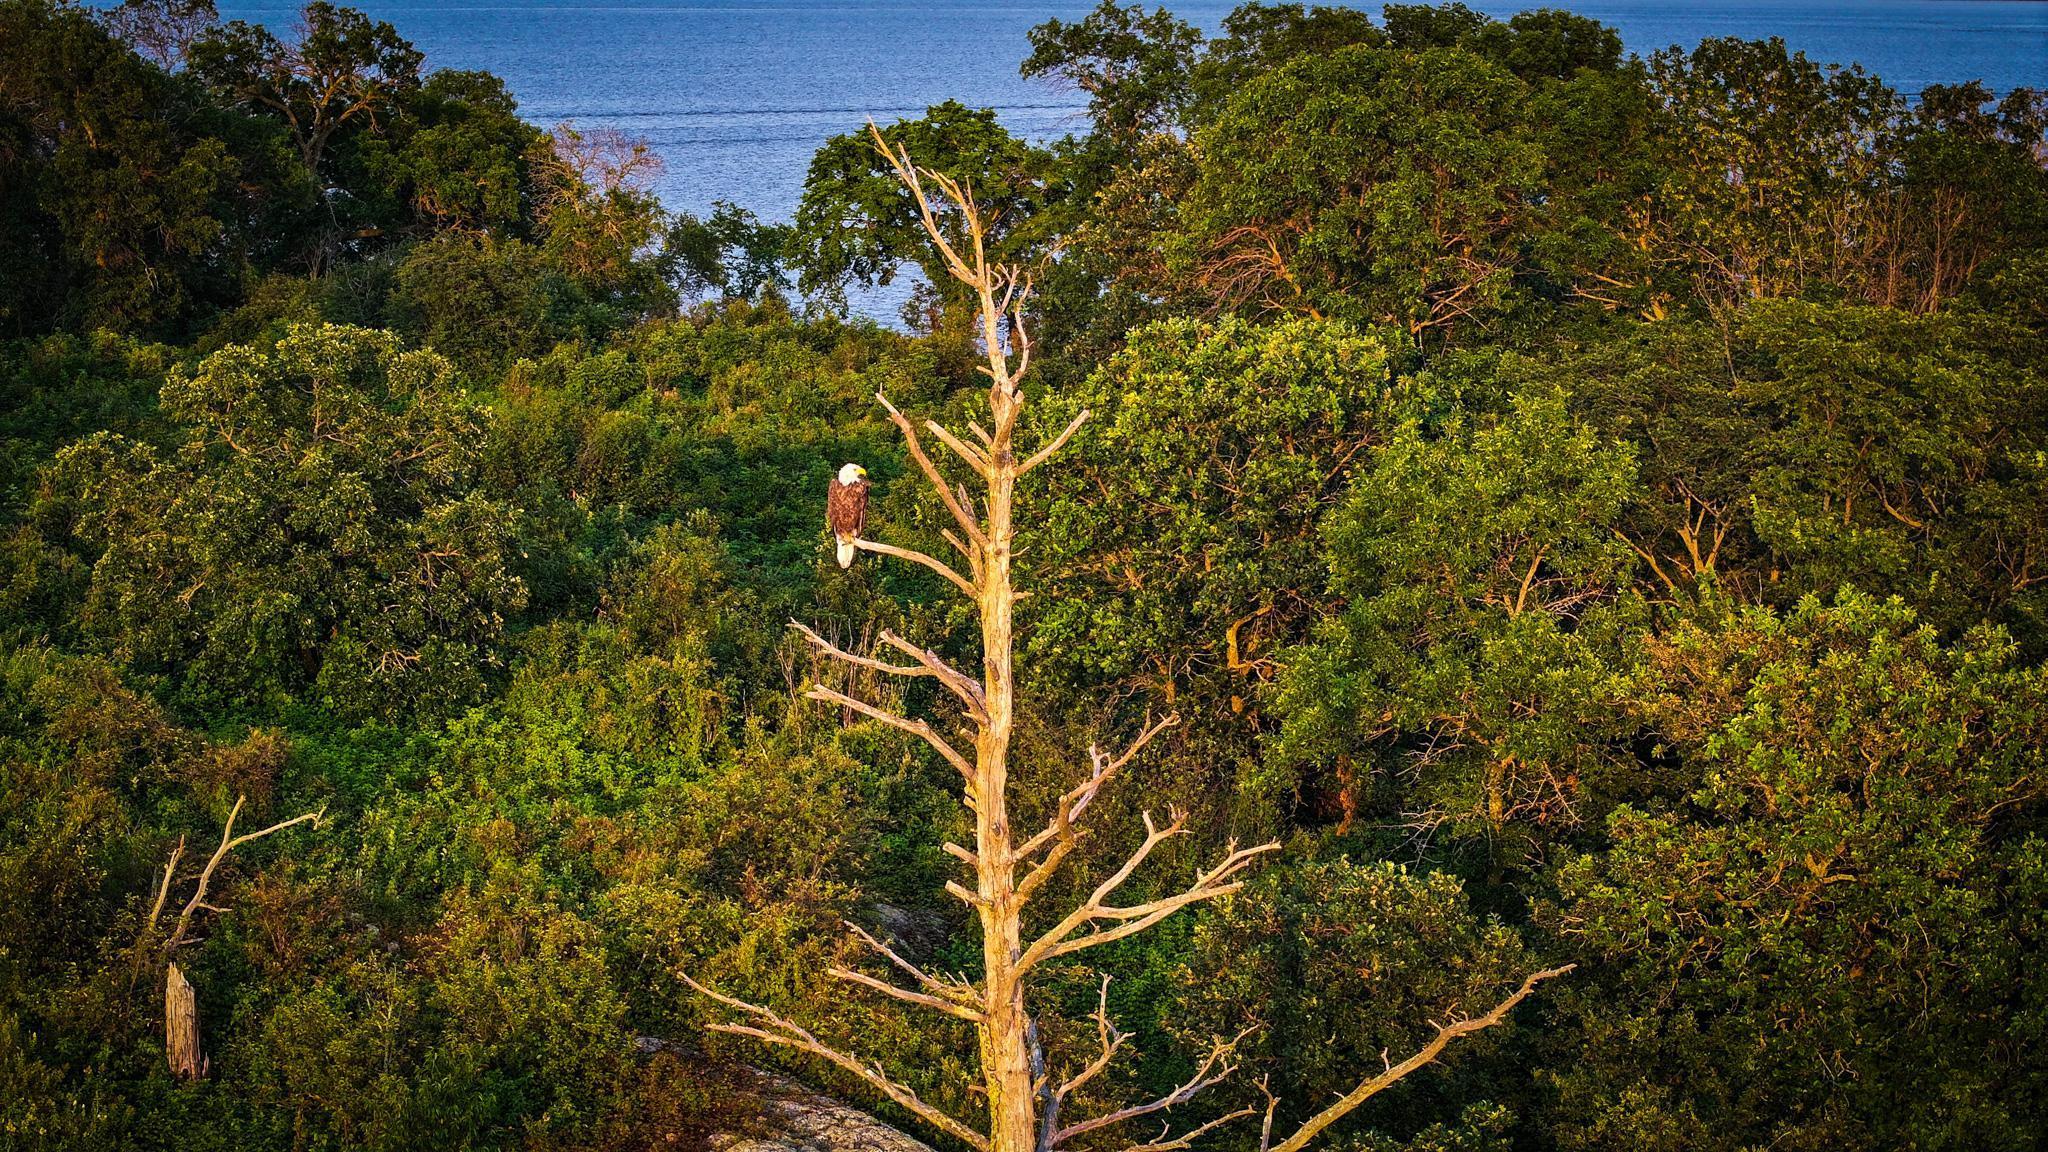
x=1026 y=1110
x=181 y=1003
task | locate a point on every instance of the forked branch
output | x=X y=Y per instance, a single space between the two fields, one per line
x=1060 y=831
x=1058 y=442
x=838 y=653
x=918 y=728
x=953 y=998
x=228 y=843
x=1169 y=1143
x=1218 y=1065
x=964 y=686
x=1067 y=936
x=1103 y=768
x=975 y=272
x=935 y=1003
x=968 y=522
x=975 y=457
x=912 y=178
x=1110 y=1041
x=929 y=664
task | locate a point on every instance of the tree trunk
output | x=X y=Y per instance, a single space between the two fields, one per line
x=1007 y=1067
x=181 y=1026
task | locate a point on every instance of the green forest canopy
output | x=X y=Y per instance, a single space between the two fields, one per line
x=1591 y=509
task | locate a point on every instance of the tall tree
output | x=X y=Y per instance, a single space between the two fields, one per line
x=1823 y=933
x=1485 y=588
x=1134 y=65
x=855 y=224
x=1392 y=188
x=127 y=199
x=1027 y=1101
x=345 y=69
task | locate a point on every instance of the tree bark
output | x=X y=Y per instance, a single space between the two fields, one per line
x=1007 y=1028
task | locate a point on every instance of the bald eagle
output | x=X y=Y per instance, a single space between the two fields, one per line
x=846 y=509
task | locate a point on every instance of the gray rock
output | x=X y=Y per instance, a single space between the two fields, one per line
x=796 y=1119
x=793 y=1118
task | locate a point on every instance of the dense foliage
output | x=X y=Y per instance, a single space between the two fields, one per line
x=1591 y=508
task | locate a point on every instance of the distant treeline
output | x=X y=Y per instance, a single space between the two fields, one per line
x=1592 y=509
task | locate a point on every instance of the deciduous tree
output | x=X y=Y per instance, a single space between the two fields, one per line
x=315 y=527
x=1823 y=934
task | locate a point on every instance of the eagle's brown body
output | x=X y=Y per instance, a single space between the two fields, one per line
x=846 y=511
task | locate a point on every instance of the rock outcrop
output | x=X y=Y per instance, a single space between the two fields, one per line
x=792 y=1118
x=796 y=1119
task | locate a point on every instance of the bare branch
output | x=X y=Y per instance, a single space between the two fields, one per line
x=1059 y=441
x=1217 y=1066
x=156 y=911
x=928 y=665
x=1059 y=831
x=228 y=843
x=967 y=688
x=1077 y=799
x=1165 y=1144
x=1215 y=882
x=1266 y=1125
x=909 y=174
x=960 y=546
x=966 y=895
x=1424 y=1055
x=916 y=557
x=163 y=889
x=1045 y=868
x=935 y=1003
x=967 y=521
x=918 y=728
x=1020 y=335
x=777 y=1030
x=975 y=273
x=955 y=990
x=1110 y=1040
x=976 y=459
x=838 y=653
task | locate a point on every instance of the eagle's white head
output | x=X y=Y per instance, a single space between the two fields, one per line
x=849 y=473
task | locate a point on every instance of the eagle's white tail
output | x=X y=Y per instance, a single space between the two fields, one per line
x=846 y=551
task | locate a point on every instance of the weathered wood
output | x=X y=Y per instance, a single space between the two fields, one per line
x=181 y=1026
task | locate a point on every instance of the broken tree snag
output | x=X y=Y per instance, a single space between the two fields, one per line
x=181 y=1001
x=1024 y=1097
x=181 y=1026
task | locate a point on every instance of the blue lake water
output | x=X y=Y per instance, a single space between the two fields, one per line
x=737 y=96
